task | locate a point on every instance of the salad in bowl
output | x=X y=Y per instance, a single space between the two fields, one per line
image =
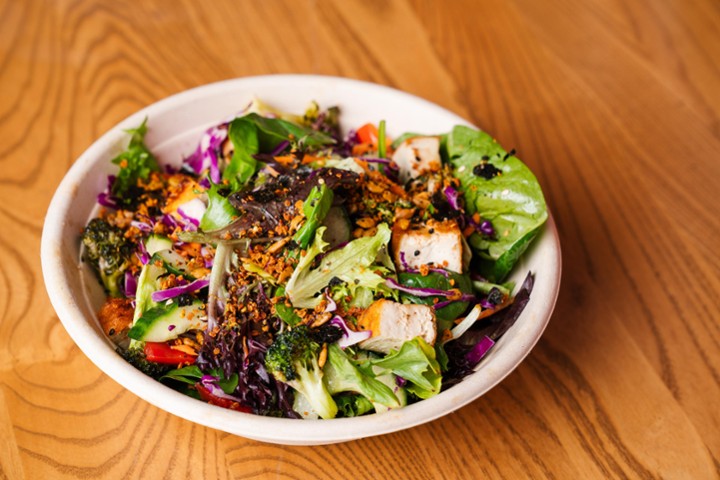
x=293 y=268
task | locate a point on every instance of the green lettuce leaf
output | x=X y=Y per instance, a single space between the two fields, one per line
x=438 y=281
x=190 y=374
x=136 y=162
x=286 y=314
x=353 y=264
x=512 y=201
x=416 y=363
x=341 y=375
x=315 y=208
x=243 y=134
x=353 y=405
x=272 y=131
x=220 y=212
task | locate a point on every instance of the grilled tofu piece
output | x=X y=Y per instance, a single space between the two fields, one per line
x=437 y=244
x=116 y=316
x=417 y=156
x=392 y=324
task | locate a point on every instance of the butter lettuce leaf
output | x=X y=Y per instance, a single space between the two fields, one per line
x=508 y=195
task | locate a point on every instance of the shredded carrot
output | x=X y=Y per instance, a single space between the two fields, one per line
x=285 y=159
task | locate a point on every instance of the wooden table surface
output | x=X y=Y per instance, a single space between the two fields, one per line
x=614 y=104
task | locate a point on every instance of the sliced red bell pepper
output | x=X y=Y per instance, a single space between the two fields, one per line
x=159 y=352
x=368 y=133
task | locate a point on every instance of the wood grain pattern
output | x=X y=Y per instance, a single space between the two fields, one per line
x=616 y=107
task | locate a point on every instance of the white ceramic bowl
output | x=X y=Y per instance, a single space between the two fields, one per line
x=175 y=126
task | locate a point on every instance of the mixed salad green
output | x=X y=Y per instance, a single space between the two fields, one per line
x=287 y=269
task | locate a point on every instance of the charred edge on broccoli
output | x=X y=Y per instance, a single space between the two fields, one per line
x=108 y=252
x=136 y=357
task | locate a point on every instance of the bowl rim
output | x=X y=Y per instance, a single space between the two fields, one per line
x=268 y=429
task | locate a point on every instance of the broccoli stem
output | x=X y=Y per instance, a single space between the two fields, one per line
x=309 y=383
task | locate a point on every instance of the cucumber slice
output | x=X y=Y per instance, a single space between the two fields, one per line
x=173 y=262
x=155 y=243
x=147 y=284
x=389 y=380
x=338 y=227
x=166 y=322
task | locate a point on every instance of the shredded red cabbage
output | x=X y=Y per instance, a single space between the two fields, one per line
x=478 y=277
x=142 y=253
x=205 y=156
x=280 y=148
x=331 y=305
x=256 y=388
x=211 y=383
x=106 y=199
x=465 y=352
x=485 y=226
x=162 y=295
x=405 y=267
x=142 y=226
x=419 y=292
x=129 y=284
x=477 y=352
x=261 y=292
x=349 y=337
x=453 y=197
x=343 y=147
x=383 y=161
x=465 y=298
x=169 y=221
x=208 y=259
x=403 y=262
x=191 y=221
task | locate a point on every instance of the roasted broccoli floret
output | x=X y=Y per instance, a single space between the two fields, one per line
x=135 y=356
x=293 y=359
x=108 y=252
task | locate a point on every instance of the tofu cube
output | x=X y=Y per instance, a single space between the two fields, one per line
x=437 y=244
x=416 y=156
x=392 y=324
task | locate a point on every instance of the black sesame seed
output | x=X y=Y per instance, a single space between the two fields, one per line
x=431 y=231
x=486 y=170
x=111 y=332
x=184 y=300
x=417 y=252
